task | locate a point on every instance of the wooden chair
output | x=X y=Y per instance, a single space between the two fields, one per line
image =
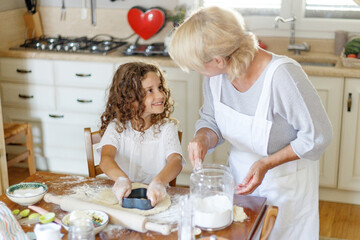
x=269 y=222
x=92 y=138
x=12 y=133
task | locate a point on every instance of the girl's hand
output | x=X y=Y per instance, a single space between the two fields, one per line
x=197 y=149
x=121 y=188
x=156 y=192
x=254 y=177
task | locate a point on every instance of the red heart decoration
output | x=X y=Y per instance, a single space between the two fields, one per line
x=146 y=24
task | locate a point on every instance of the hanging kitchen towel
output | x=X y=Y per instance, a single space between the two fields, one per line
x=9 y=226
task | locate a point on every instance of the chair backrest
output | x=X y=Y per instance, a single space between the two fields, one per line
x=92 y=138
x=269 y=222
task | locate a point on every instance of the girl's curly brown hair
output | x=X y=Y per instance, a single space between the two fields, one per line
x=125 y=90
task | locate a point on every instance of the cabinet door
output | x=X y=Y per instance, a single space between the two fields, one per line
x=330 y=91
x=349 y=172
x=186 y=92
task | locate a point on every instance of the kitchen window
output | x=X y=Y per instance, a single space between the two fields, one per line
x=345 y=9
x=314 y=18
x=250 y=8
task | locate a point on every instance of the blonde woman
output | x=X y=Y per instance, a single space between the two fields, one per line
x=266 y=107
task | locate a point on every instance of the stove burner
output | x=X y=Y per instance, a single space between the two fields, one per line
x=147 y=50
x=72 y=45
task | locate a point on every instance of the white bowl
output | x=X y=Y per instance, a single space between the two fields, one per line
x=94 y=214
x=26 y=200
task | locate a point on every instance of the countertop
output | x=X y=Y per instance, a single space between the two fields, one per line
x=117 y=57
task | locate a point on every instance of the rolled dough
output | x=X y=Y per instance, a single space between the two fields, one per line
x=107 y=198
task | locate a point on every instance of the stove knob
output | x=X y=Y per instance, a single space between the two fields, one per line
x=94 y=48
x=51 y=47
x=43 y=46
x=66 y=48
x=74 y=48
x=37 y=45
x=58 y=47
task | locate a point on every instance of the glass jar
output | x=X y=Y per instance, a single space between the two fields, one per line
x=212 y=194
x=185 y=222
x=81 y=229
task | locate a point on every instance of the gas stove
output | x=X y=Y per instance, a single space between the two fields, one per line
x=100 y=44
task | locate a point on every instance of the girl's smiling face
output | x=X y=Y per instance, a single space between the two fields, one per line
x=155 y=98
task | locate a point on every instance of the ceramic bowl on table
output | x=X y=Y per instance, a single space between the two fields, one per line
x=99 y=218
x=26 y=193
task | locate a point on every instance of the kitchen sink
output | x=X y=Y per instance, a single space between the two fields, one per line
x=318 y=64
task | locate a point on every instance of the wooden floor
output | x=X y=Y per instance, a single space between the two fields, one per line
x=337 y=220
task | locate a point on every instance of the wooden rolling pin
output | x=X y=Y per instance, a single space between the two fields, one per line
x=126 y=219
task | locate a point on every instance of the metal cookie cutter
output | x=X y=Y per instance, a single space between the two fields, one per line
x=137 y=199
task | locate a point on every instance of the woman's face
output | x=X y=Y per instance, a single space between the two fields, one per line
x=215 y=67
x=155 y=98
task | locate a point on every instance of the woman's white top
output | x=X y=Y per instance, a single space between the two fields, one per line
x=142 y=156
x=296 y=112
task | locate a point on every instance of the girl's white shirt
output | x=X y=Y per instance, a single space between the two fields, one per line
x=142 y=156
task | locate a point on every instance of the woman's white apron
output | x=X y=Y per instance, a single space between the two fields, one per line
x=292 y=186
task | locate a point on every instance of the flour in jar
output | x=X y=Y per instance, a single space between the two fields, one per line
x=213 y=212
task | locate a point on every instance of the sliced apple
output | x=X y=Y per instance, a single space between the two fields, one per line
x=47 y=218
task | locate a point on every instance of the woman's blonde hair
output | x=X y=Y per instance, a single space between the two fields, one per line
x=211 y=32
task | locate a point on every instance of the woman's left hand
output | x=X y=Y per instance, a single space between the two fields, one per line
x=254 y=177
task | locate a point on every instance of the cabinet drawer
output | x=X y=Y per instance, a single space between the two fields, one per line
x=83 y=74
x=66 y=130
x=28 y=96
x=56 y=117
x=80 y=100
x=26 y=70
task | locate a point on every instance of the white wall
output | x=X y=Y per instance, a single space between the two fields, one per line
x=11 y=4
x=166 y=4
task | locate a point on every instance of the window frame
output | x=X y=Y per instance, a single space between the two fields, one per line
x=304 y=27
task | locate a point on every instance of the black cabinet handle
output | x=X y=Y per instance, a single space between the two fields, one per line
x=25 y=96
x=56 y=116
x=84 y=101
x=349 y=102
x=23 y=71
x=83 y=74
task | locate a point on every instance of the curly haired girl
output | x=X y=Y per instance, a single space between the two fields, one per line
x=139 y=139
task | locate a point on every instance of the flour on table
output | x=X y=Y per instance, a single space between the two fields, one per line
x=105 y=196
x=239 y=214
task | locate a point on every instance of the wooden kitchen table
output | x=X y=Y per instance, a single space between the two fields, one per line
x=61 y=184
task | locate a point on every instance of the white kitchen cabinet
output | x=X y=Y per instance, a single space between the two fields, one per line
x=339 y=166
x=30 y=96
x=83 y=74
x=59 y=99
x=330 y=90
x=26 y=70
x=349 y=171
x=186 y=92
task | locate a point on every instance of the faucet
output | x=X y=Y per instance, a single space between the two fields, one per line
x=297 y=48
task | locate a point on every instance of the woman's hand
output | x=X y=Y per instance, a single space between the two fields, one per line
x=121 y=188
x=204 y=139
x=254 y=177
x=197 y=151
x=156 y=192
